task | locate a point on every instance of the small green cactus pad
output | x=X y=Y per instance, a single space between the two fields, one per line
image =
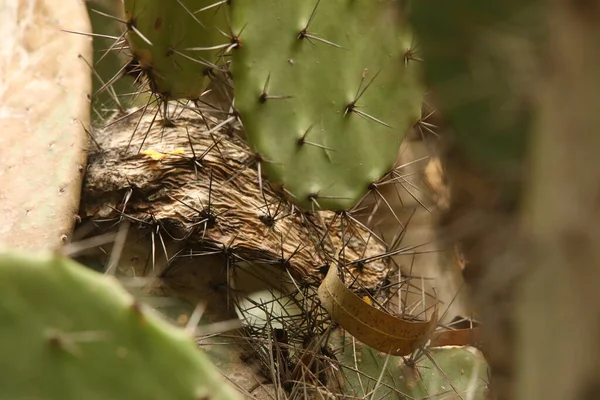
x=169 y=39
x=443 y=373
x=325 y=93
x=71 y=333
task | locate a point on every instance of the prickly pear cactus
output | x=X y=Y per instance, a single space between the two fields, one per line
x=173 y=43
x=443 y=372
x=326 y=93
x=71 y=333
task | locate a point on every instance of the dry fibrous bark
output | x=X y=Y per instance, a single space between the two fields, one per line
x=204 y=190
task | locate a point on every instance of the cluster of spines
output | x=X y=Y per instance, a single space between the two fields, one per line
x=218 y=70
x=234 y=42
x=303 y=354
x=290 y=344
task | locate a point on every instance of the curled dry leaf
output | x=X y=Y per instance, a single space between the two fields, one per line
x=373 y=327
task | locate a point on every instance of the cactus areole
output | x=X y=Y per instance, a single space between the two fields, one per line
x=172 y=43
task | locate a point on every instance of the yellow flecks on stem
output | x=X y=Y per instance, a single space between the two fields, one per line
x=158 y=156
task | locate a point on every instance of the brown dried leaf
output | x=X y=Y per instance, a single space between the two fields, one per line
x=373 y=327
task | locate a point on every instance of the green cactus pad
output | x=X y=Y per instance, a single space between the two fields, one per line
x=164 y=38
x=68 y=332
x=298 y=68
x=445 y=373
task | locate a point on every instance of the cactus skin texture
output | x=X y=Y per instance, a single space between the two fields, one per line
x=72 y=333
x=447 y=373
x=325 y=121
x=174 y=70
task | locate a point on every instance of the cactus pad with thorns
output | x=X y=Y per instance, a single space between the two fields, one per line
x=325 y=92
x=172 y=42
x=71 y=333
x=450 y=372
